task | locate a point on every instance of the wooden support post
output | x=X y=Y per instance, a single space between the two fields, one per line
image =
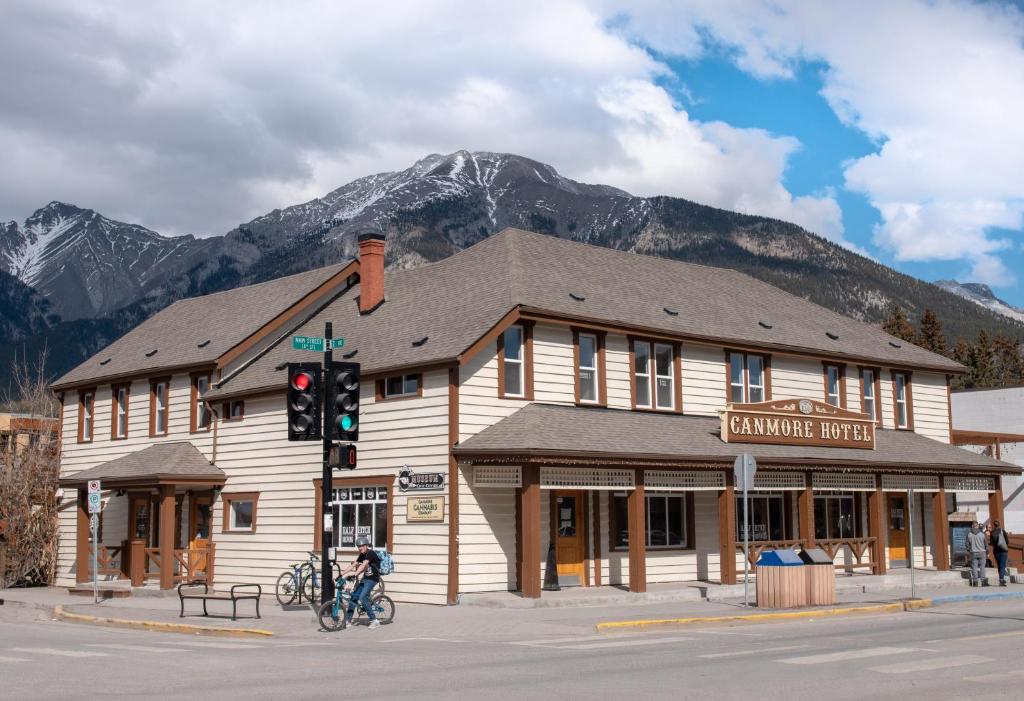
x=940 y=524
x=137 y=563
x=727 y=530
x=529 y=518
x=636 y=515
x=597 y=537
x=167 y=504
x=876 y=525
x=995 y=502
x=82 y=559
x=805 y=506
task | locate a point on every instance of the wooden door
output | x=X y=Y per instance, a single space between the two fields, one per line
x=200 y=513
x=897 y=530
x=569 y=528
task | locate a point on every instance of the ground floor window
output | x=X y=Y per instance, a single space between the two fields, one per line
x=360 y=511
x=767 y=516
x=666 y=521
x=835 y=515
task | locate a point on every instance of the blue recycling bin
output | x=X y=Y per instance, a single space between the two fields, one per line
x=781 y=580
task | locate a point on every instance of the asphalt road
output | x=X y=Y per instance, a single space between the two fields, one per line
x=961 y=651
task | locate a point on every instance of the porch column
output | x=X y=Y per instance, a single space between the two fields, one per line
x=167 y=528
x=82 y=558
x=636 y=504
x=995 y=502
x=940 y=524
x=727 y=530
x=805 y=507
x=876 y=525
x=529 y=526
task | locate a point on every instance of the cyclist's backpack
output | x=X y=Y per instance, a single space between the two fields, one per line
x=387 y=565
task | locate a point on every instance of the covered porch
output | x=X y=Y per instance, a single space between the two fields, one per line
x=155 y=523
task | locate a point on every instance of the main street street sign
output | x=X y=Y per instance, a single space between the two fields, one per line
x=316 y=343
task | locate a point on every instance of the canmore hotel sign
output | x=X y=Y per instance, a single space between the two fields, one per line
x=797 y=422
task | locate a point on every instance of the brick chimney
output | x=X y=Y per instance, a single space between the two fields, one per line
x=371 y=271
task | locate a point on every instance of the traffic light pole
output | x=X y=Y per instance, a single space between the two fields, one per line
x=326 y=578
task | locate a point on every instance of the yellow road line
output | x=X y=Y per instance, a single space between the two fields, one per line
x=754 y=617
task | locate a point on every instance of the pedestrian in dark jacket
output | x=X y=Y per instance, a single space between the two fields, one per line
x=999 y=540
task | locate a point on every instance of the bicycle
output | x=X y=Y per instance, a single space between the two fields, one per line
x=332 y=613
x=301 y=580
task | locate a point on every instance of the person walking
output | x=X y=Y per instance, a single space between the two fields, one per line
x=977 y=546
x=1000 y=549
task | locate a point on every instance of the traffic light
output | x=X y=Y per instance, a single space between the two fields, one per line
x=304 y=402
x=343 y=457
x=342 y=405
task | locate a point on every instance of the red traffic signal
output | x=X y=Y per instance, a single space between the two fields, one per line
x=302 y=380
x=303 y=402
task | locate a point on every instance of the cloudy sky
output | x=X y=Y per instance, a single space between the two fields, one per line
x=894 y=127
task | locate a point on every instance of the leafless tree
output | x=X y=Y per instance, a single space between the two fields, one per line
x=29 y=470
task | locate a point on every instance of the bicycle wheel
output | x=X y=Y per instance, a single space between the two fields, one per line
x=286 y=590
x=332 y=616
x=383 y=608
x=310 y=588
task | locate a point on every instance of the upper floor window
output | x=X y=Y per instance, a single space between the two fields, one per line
x=86 y=414
x=747 y=378
x=399 y=386
x=654 y=373
x=869 y=392
x=901 y=399
x=834 y=385
x=233 y=410
x=158 y=390
x=587 y=369
x=120 y=394
x=515 y=362
x=199 y=414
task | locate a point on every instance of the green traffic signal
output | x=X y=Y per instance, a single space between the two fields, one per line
x=346 y=422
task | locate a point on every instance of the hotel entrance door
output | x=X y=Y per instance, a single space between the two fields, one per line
x=897 y=530
x=569 y=530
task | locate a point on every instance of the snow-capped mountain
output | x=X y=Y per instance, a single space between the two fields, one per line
x=87 y=265
x=982 y=295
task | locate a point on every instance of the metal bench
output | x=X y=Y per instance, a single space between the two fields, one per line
x=238 y=592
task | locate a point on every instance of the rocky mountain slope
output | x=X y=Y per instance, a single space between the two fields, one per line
x=982 y=295
x=103 y=276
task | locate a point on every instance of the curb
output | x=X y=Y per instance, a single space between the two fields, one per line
x=994 y=596
x=61 y=615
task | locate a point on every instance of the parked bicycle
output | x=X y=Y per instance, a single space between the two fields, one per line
x=301 y=580
x=332 y=613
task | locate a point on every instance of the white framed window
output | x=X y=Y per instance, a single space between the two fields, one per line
x=240 y=512
x=360 y=511
x=642 y=373
x=159 y=398
x=737 y=385
x=88 y=406
x=514 y=365
x=900 y=389
x=755 y=378
x=746 y=378
x=587 y=376
x=832 y=385
x=201 y=414
x=664 y=376
x=868 y=399
x=666 y=521
x=401 y=386
x=121 y=399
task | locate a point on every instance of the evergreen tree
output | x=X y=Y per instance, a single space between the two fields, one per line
x=962 y=355
x=931 y=335
x=983 y=366
x=897 y=324
x=1009 y=361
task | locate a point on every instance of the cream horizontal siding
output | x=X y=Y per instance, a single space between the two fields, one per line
x=797 y=378
x=479 y=405
x=553 y=380
x=931 y=405
x=617 y=365
x=853 y=389
x=703 y=377
x=888 y=420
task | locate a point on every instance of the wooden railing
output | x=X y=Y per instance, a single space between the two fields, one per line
x=188 y=565
x=109 y=560
x=860 y=550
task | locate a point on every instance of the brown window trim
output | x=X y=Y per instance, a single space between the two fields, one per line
x=878 y=391
x=691 y=524
x=766 y=361
x=527 y=327
x=825 y=365
x=153 y=382
x=380 y=385
x=225 y=525
x=341 y=482
x=193 y=403
x=909 y=400
x=82 y=393
x=225 y=410
x=114 y=389
x=677 y=380
x=602 y=369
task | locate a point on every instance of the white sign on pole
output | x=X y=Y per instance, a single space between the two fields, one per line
x=94 y=503
x=94 y=486
x=743 y=470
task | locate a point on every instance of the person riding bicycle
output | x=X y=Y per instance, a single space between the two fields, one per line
x=367 y=565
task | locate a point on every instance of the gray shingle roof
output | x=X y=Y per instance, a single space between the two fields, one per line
x=549 y=430
x=197 y=330
x=163 y=460
x=455 y=301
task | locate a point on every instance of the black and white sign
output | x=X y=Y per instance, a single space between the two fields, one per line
x=409 y=481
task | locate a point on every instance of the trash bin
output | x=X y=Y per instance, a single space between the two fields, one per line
x=781 y=582
x=820 y=576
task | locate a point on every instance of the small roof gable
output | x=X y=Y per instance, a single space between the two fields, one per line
x=167 y=462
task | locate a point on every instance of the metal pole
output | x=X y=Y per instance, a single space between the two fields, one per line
x=93 y=519
x=910 y=539
x=746 y=542
x=326 y=491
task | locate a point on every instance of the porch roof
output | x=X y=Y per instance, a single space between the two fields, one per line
x=540 y=432
x=177 y=462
